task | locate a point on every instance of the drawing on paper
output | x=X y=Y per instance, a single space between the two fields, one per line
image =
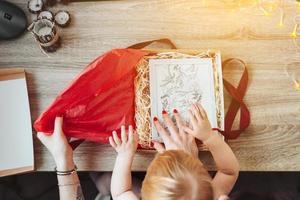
x=178 y=88
x=177 y=83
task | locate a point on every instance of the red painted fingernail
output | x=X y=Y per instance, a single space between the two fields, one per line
x=164 y=112
x=155 y=119
x=175 y=111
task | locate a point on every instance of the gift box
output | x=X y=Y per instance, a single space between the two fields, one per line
x=148 y=104
x=115 y=89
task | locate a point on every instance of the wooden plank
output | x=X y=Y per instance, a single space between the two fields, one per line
x=8 y=74
x=18 y=170
x=272 y=141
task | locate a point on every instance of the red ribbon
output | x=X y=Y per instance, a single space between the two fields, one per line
x=142 y=45
x=237 y=103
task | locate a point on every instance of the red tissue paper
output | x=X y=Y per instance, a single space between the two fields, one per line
x=99 y=100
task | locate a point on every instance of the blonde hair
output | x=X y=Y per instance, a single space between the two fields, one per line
x=176 y=175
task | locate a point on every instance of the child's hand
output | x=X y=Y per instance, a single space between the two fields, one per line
x=200 y=126
x=125 y=146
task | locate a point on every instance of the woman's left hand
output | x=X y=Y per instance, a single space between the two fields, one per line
x=176 y=138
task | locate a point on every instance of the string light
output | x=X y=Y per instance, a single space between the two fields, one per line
x=292 y=70
x=237 y=5
x=294 y=33
x=282 y=16
x=282 y=13
x=262 y=8
x=267 y=7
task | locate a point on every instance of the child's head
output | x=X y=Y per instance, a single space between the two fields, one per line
x=175 y=175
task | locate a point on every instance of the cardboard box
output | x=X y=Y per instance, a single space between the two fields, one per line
x=16 y=144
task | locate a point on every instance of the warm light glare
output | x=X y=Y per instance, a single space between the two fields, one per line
x=280 y=24
x=294 y=33
x=267 y=7
x=271 y=7
x=297 y=85
x=266 y=13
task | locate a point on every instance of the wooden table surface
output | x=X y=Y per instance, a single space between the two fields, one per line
x=271 y=143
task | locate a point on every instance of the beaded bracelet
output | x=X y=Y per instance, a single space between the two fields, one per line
x=68 y=184
x=65 y=173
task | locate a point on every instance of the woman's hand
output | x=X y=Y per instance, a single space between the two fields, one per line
x=58 y=146
x=126 y=146
x=200 y=127
x=176 y=138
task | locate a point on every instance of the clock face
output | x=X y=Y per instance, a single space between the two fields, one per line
x=62 y=18
x=35 y=5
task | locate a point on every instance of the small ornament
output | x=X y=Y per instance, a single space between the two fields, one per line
x=46 y=15
x=62 y=18
x=46 y=34
x=35 y=6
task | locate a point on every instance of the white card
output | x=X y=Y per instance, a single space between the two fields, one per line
x=177 y=83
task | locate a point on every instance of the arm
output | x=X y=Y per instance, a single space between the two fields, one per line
x=121 y=186
x=57 y=144
x=69 y=185
x=227 y=164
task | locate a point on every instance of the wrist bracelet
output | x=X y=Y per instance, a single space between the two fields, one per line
x=68 y=184
x=66 y=173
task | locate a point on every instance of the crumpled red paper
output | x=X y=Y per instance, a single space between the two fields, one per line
x=98 y=101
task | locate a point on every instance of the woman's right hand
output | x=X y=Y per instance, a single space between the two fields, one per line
x=58 y=146
x=176 y=138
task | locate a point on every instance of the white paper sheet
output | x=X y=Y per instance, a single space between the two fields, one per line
x=177 y=83
x=16 y=146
